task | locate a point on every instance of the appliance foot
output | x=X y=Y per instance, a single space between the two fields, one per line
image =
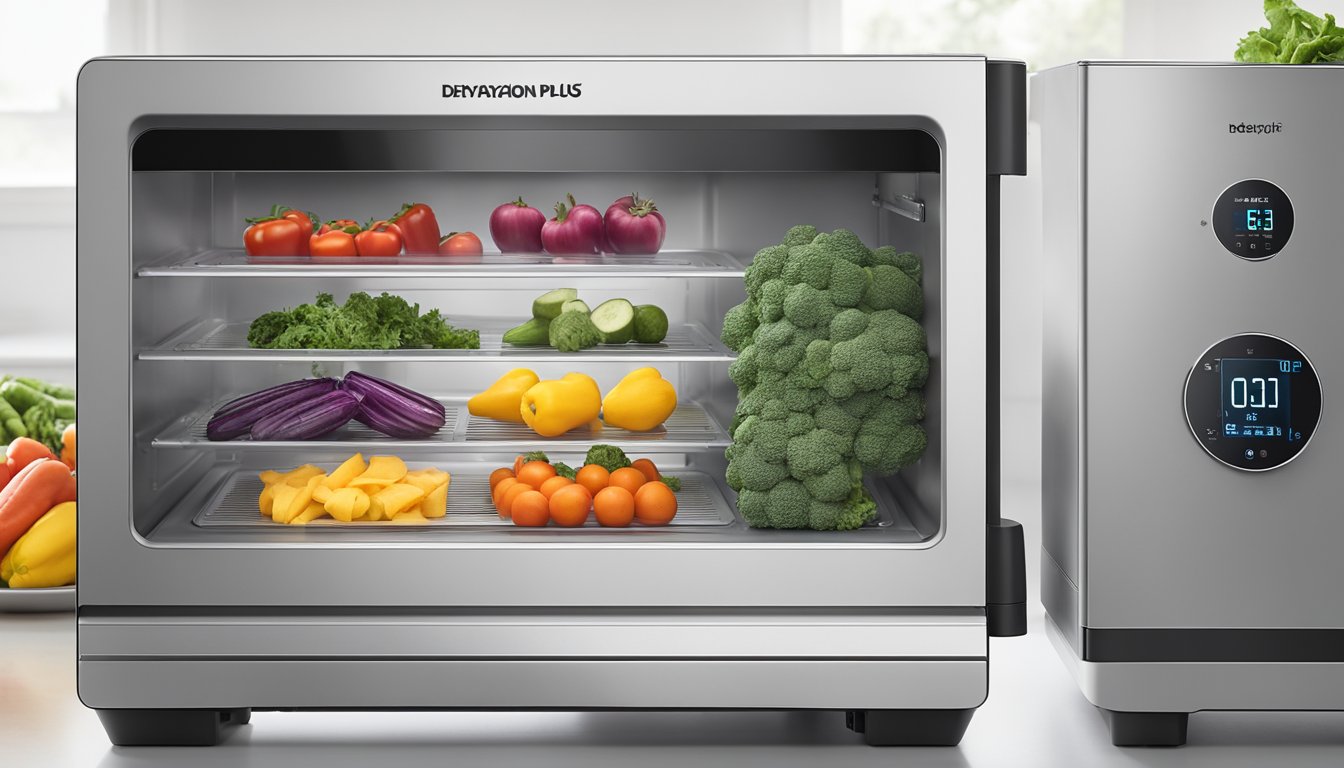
x=1147 y=729
x=910 y=727
x=170 y=727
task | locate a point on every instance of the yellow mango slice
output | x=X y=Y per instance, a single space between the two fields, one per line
x=342 y=475
x=426 y=479
x=298 y=503
x=410 y=516
x=382 y=470
x=346 y=504
x=299 y=477
x=322 y=493
x=435 y=503
x=395 y=498
x=270 y=477
x=283 y=496
x=310 y=514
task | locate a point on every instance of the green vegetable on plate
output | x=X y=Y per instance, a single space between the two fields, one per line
x=362 y=322
x=573 y=331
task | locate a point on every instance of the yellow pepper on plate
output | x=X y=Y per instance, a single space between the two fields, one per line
x=45 y=555
x=553 y=407
x=501 y=400
x=640 y=401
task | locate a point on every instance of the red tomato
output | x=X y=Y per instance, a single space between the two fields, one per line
x=335 y=242
x=381 y=239
x=274 y=237
x=460 y=244
x=419 y=229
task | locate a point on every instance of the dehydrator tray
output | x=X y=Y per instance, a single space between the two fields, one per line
x=236 y=263
x=234 y=505
x=217 y=339
x=689 y=428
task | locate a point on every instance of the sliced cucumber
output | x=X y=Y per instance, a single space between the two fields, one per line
x=547 y=306
x=615 y=320
x=574 y=305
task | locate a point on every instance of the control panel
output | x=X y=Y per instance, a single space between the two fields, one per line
x=1253 y=401
x=1253 y=219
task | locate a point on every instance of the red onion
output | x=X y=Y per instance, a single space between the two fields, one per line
x=634 y=226
x=516 y=227
x=568 y=235
x=590 y=218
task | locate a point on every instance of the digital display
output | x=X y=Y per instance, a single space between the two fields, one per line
x=1253 y=219
x=1257 y=397
x=1253 y=401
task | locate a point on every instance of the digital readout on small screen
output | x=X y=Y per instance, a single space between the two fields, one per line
x=1253 y=219
x=1257 y=397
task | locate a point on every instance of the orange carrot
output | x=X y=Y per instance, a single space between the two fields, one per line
x=35 y=489
x=24 y=451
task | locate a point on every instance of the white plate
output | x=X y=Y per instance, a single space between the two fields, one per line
x=45 y=600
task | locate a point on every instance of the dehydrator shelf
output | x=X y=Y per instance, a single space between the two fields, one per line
x=217 y=339
x=234 y=505
x=236 y=263
x=689 y=428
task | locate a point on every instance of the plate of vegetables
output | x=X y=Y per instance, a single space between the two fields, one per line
x=37 y=497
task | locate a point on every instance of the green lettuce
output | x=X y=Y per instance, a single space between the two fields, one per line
x=363 y=322
x=1294 y=36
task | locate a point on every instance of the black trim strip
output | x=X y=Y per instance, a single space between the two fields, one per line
x=1213 y=645
x=551 y=149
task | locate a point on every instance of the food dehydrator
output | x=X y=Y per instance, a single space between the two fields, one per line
x=1191 y=478
x=194 y=609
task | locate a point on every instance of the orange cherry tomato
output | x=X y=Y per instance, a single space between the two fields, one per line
x=570 y=505
x=628 y=478
x=614 y=507
x=517 y=464
x=497 y=493
x=655 y=504
x=647 y=467
x=499 y=474
x=511 y=495
x=594 y=477
x=553 y=484
x=534 y=473
x=460 y=244
x=531 y=509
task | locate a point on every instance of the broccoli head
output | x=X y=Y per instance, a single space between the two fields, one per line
x=609 y=457
x=831 y=362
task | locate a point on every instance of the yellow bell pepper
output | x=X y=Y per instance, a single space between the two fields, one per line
x=640 y=401
x=500 y=400
x=45 y=555
x=552 y=408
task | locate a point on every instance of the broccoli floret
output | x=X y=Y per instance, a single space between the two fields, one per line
x=671 y=482
x=564 y=470
x=573 y=331
x=739 y=324
x=536 y=456
x=830 y=362
x=609 y=457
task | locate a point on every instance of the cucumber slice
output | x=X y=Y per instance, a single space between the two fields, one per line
x=547 y=305
x=615 y=320
x=574 y=305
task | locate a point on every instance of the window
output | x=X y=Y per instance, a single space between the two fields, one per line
x=38 y=66
x=1042 y=32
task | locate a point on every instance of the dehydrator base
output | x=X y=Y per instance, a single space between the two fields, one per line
x=170 y=727
x=910 y=727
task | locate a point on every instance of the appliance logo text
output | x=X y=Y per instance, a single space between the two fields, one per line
x=1250 y=199
x=1255 y=127
x=513 y=91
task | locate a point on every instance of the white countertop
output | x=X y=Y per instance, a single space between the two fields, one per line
x=1035 y=716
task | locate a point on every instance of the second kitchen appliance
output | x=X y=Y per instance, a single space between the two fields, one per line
x=1192 y=359
x=194 y=608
